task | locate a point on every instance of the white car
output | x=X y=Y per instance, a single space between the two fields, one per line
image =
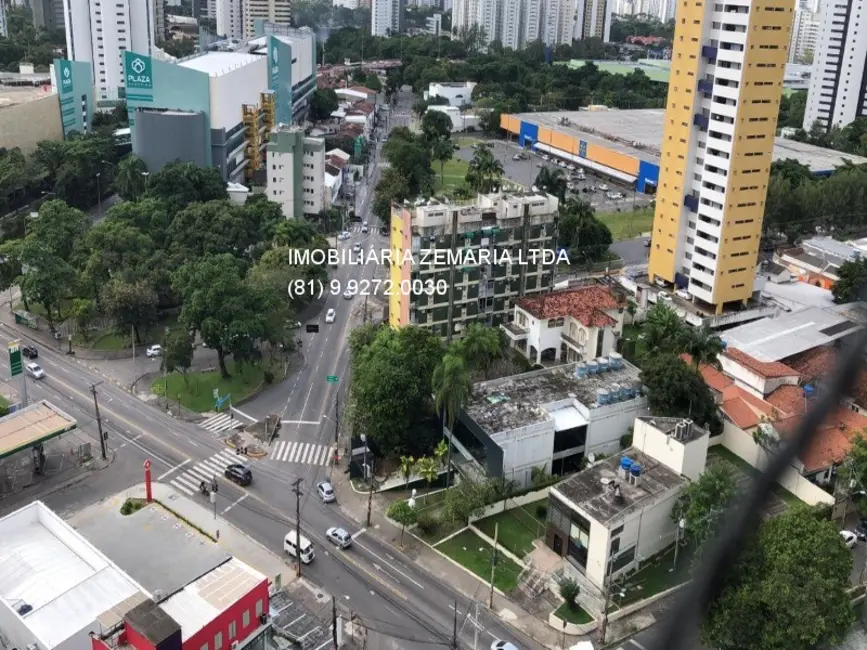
x=503 y=645
x=339 y=537
x=348 y=294
x=603 y=188
x=343 y=236
x=325 y=491
x=330 y=315
x=154 y=351
x=357 y=247
x=35 y=371
x=849 y=538
x=364 y=229
x=571 y=168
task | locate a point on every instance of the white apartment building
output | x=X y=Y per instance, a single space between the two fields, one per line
x=2 y=19
x=837 y=86
x=100 y=31
x=434 y=24
x=296 y=171
x=386 y=17
x=805 y=33
x=273 y=11
x=459 y=93
x=230 y=18
x=349 y=4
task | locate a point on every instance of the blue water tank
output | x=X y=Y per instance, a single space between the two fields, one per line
x=809 y=390
x=581 y=370
x=603 y=364
x=635 y=469
x=616 y=361
x=603 y=396
x=616 y=392
x=592 y=368
x=626 y=463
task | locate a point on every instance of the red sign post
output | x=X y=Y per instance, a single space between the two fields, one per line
x=147 y=470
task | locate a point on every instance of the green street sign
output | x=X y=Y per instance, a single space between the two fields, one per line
x=15 y=363
x=331 y=379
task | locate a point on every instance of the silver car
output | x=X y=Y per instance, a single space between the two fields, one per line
x=35 y=371
x=325 y=491
x=339 y=537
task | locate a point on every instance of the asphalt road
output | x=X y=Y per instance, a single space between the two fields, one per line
x=401 y=604
x=631 y=251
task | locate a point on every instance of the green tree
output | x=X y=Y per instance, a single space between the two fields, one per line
x=702 y=344
x=484 y=172
x=442 y=151
x=178 y=351
x=428 y=468
x=177 y=185
x=553 y=181
x=436 y=126
x=403 y=513
x=83 y=312
x=850 y=285
x=480 y=347
x=58 y=228
x=392 y=187
x=703 y=503
x=452 y=388
x=131 y=180
x=212 y=228
x=407 y=465
x=391 y=384
x=46 y=279
x=676 y=390
x=323 y=103
x=786 y=591
x=219 y=304
x=466 y=499
x=112 y=249
x=412 y=157
x=662 y=329
x=131 y=304
x=852 y=473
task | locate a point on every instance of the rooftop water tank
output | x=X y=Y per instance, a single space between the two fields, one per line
x=615 y=359
x=603 y=396
x=626 y=463
x=592 y=368
x=616 y=391
x=581 y=370
x=635 y=469
x=604 y=366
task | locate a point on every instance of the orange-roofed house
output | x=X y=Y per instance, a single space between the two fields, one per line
x=572 y=325
x=761 y=378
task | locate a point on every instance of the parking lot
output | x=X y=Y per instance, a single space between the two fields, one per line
x=525 y=172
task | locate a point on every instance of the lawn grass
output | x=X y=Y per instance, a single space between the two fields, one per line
x=196 y=393
x=518 y=527
x=629 y=223
x=574 y=614
x=658 y=574
x=454 y=173
x=743 y=466
x=113 y=339
x=468 y=550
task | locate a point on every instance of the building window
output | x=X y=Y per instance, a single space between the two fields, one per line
x=218 y=641
x=259 y=608
x=623 y=559
x=233 y=632
x=245 y=619
x=617 y=531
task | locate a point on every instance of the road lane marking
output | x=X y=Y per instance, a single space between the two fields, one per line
x=345 y=557
x=174 y=469
x=236 y=502
x=241 y=413
x=641 y=647
x=300 y=421
x=398 y=571
x=358 y=534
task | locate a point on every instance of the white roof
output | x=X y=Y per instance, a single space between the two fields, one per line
x=340 y=153
x=216 y=64
x=49 y=566
x=567 y=418
x=200 y=602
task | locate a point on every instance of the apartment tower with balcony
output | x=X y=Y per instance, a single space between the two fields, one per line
x=724 y=95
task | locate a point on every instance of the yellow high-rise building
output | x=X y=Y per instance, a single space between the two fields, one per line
x=724 y=94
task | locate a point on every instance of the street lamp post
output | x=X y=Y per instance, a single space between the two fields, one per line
x=678 y=531
x=99 y=193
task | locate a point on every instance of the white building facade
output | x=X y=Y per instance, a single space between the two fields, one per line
x=386 y=17
x=296 y=172
x=805 y=34
x=100 y=31
x=458 y=93
x=230 y=18
x=837 y=86
x=272 y=11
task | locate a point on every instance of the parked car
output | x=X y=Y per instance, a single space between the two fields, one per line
x=383 y=231
x=35 y=371
x=29 y=351
x=330 y=316
x=343 y=236
x=357 y=247
x=849 y=538
x=339 y=537
x=647 y=243
x=325 y=491
x=861 y=531
x=239 y=473
x=503 y=645
x=571 y=168
x=154 y=351
x=603 y=188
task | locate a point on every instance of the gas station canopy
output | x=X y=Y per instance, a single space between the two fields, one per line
x=34 y=424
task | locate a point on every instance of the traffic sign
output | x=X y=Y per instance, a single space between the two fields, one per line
x=331 y=379
x=15 y=363
x=147 y=464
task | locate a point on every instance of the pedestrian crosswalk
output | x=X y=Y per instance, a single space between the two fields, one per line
x=205 y=470
x=222 y=422
x=304 y=453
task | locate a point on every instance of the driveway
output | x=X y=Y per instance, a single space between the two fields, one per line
x=631 y=251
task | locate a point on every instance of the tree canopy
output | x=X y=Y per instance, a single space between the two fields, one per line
x=676 y=390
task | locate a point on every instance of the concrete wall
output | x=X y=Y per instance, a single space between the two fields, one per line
x=608 y=423
x=231 y=91
x=164 y=137
x=24 y=125
x=525 y=448
x=751 y=381
x=516 y=502
x=688 y=459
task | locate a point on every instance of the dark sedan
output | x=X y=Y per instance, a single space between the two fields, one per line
x=240 y=474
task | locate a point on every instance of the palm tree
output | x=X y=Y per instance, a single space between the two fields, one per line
x=130 y=180
x=662 y=329
x=480 y=347
x=484 y=171
x=428 y=469
x=702 y=344
x=552 y=181
x=442 y=151
x=452 y=389
x=407 y=464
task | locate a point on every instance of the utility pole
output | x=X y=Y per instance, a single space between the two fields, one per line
x=493 y=564
x=98 y=419
x=296 y=488
x=370 y=489
x=334 y=621
x=603 y=628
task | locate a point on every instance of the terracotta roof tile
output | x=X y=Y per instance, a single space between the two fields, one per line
x=832 y=440
x=717 y=380
x=585 y=304
x=814 y=363
x=766 y=369
x=788 y=400
x=743 y=408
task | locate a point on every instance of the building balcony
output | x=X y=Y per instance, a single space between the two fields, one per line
x=572 y=343
x=709 y=52
x=701 y=121
x=705 y=87
x=691 y=202
x=515 y=332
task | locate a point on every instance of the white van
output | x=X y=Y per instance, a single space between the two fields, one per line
x=290 y=545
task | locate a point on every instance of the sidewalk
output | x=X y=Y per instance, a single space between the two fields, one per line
x=232 y=539
x=354 y=505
